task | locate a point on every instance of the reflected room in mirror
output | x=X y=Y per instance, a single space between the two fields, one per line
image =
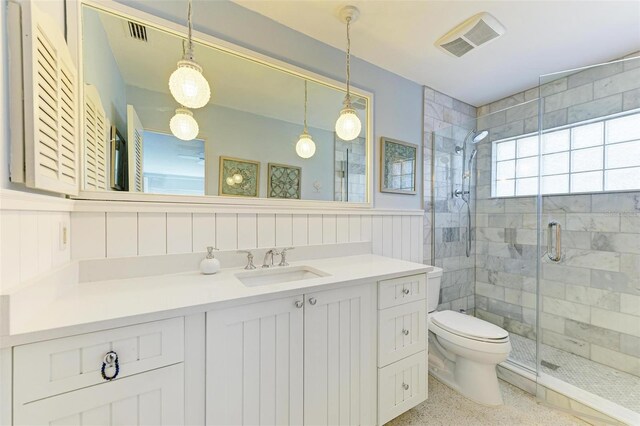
x=256 y=112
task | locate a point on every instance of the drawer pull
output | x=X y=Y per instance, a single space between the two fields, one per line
x=299 y=304
x=405 y=331
x=406 y=290
x=312 y=301
x=405 y=386
x=110 y=362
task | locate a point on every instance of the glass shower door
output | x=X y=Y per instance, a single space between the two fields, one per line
x=589 y=232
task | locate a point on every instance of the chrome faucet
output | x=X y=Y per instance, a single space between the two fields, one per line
x=283 y=256
x=250 y=264
x=268 y=258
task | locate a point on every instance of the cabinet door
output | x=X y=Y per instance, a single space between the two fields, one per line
x=254 y=364
x=152 y=398
x=340 y=356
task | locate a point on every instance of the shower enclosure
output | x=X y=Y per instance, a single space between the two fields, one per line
x=554 y=203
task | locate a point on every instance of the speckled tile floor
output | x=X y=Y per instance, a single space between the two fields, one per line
x=445 y=407
x=609 y=383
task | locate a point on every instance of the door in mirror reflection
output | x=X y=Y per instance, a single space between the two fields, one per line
x=173 y=166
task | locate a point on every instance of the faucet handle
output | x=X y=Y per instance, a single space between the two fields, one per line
x=250 y=264
x=283 y=256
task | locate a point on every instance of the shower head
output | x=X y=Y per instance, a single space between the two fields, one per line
x=479 y=136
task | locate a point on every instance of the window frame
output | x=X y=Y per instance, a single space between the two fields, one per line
x=569 y=151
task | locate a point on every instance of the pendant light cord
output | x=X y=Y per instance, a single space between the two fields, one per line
x=348 y=98
x=190 y=29
x=305 y=106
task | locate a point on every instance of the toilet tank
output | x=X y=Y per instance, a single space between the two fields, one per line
x=433 y=288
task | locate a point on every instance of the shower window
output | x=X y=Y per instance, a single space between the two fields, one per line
x=592 y=156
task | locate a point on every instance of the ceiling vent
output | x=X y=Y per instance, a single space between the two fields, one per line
x=476 y=31
x=137 y=31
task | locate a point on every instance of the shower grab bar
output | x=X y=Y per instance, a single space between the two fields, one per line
x=558 y=246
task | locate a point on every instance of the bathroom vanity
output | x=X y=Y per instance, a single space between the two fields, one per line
x=324 y=341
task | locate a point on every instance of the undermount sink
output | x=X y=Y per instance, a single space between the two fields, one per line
x=277 y=275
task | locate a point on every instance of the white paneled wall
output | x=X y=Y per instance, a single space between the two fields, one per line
x=30 y=244
x=123 y=234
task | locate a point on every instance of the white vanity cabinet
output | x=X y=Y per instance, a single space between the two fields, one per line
x=340 y=356
x=307 y=359
x=402 y=345
x=351 y=352
x=59 y=381
x=254 y=370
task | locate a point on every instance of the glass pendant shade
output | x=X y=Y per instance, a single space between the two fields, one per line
x=183 y=125
x=348 y=125
x=237 y=178
x=305 y=147
x=188 y=86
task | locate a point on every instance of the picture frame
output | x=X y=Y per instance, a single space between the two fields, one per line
x=398 y=163
x=238 y=177
x=284 y=181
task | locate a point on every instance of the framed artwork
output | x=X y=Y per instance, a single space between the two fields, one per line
x=238 y=177
x=284 y=181
x=398 y=166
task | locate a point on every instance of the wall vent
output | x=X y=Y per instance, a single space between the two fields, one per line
x=476 y=31
x=137 y=31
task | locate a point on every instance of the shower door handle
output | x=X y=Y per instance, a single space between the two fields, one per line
x=554 y=255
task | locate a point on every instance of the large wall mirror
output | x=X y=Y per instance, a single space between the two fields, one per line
x=246 y=144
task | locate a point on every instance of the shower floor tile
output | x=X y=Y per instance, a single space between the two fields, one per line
x=606 y=382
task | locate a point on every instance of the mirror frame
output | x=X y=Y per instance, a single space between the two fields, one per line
x=74 y=40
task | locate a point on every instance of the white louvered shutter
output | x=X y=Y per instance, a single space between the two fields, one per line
x=96 y=131
x=50 y=84
x=135 y=150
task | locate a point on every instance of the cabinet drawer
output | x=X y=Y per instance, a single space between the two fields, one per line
x=401 y=332
x=61 y=365
x=401 y=386
x=401 y=290
x=152 y=398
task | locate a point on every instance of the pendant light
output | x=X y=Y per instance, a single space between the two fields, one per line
x=183 y=125
x=305 y=147
x=348 y=125
x=187 y=84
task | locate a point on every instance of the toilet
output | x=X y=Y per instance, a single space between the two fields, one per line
x=463 y=350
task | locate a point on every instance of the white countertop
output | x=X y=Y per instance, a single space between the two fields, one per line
x=87 y=306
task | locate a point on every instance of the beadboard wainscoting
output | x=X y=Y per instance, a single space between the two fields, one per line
x=32 y=236
x=100 y=234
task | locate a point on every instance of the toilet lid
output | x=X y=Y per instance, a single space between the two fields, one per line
x=468 y=326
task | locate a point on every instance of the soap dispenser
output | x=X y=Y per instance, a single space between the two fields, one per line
x=210 y=265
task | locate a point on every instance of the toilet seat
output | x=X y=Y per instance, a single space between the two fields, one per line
x=494 y=347
x=469 y=327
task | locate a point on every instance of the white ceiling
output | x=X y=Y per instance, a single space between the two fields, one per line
x=237 y=83
x=542 y=37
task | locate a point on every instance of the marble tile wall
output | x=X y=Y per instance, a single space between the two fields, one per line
x=446 y=123
x=590 y=302
x=350 y=178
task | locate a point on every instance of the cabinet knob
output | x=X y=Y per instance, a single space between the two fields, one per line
x=405 y=331
x=312 y=301
x=405 y=386
x=299 y=304
x=406 y=290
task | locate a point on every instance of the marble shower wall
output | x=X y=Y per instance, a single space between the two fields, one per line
x=446 y=123
x=590 y=302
